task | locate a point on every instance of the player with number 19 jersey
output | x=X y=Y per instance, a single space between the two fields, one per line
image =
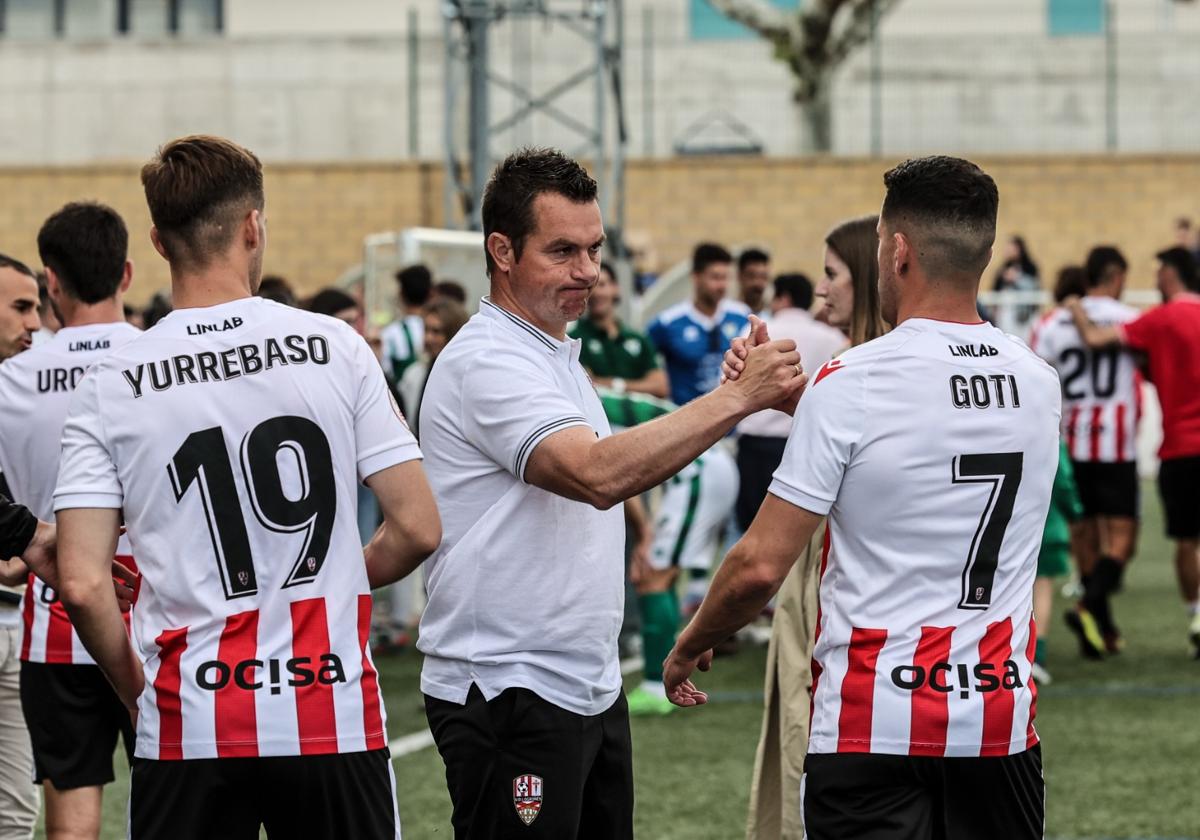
x=933 y=450
x=233 y=437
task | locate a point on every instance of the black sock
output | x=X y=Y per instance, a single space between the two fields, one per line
x=1104 y=580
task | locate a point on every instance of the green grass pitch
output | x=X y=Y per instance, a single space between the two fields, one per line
x=1121 y=738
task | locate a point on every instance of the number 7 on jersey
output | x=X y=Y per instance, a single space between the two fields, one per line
x=1003 y=471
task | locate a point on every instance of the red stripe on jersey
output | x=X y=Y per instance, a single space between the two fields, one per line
x=858 y=690
x=930 y=706
x=1121 y=432
x=27 y=618
x=1072 y=430
x=815 y=665
x=233 y=706
x=59 y=649
x=995 y=648
x=171 y=645
x=1031 y=737
x=1094 y=443
x=372 y=719
x=315 y=716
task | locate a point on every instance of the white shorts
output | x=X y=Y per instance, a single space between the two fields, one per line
x=695 y=507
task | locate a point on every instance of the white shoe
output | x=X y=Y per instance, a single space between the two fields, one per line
x=1040 y=675
x=1194 y=633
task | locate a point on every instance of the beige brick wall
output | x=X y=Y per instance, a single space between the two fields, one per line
x=1062 y=205
x=318 y=214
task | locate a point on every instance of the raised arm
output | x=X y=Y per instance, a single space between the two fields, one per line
x=1093 y=335
x=411 y=528
x=603 y=473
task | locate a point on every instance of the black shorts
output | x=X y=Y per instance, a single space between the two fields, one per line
x=850 y=796
x=74 y=719
x=1108 y=489
x=757 y=460
x=1179 y=486
x=522 y=767
x=322 y=797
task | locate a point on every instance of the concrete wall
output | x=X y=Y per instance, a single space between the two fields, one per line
x=316 y=81
x=317 y=215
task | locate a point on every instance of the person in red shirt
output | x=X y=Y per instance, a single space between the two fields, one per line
x=1169 y=337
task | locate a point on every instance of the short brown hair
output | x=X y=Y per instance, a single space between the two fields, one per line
x=516 y=183
x=198 y=189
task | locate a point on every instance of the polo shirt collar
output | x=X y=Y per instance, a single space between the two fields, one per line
x=532 y=335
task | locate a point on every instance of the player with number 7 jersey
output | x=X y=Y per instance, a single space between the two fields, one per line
x=233 y=435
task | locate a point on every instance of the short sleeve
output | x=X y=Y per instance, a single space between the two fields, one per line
x=828 y=425
x=510 y=404
x=382 y=438
x=87 y=476
x=1140 y=333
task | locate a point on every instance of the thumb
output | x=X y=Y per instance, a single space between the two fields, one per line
x=758 y=331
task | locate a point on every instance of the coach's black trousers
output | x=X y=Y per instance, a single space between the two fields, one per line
x=522 y=767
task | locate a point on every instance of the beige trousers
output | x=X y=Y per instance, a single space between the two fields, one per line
x=775 y=812
x=18 y=794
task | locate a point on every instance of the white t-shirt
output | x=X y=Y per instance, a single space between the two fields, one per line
x=817 y=344
x=35 y=390
x=933 y=450
x=527 y=587
x=234 y=437
x=1101 y=388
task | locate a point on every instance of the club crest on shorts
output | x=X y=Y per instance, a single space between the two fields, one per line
x=527 y=797
x=243 y=578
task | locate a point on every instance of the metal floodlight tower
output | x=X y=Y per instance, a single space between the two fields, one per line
x=471 y=68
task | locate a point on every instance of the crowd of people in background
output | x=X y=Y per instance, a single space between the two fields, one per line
x=1102 y=350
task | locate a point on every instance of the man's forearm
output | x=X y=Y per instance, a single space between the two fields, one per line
x=390 y=557
x=1093 y=335
x=645 y=456
x=737 y=595
x=97 y=619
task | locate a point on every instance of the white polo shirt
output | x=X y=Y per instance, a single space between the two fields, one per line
x=526 y=589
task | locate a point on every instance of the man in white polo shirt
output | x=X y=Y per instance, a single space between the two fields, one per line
x=522 y=684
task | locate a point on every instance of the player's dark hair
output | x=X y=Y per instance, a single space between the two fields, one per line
x=948 y=206
x=1184 y=263
x=330 y=302
x=16 y=265
x=1101 y=262
x=85 y=244
x=517 y=182
x=708 y=253
x=1071 y=282
x=856 y=243
x=752 y=256
x=199 y=188
x=416 y=284
x=797 y=287
x=450 y=290
x=276 y=288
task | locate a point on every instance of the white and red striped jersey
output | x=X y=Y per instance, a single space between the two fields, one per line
x=234 y=438
x=1101 y=388
x=35 y=390
x=933 y=450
